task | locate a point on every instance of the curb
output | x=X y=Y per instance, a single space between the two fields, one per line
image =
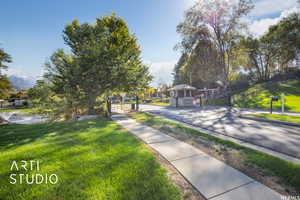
x=270 y=121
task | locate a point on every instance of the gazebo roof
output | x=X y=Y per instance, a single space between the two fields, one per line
x=182 y=87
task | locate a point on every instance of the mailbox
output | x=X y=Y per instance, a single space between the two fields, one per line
x=276 y=98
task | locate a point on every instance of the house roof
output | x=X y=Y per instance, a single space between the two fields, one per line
x=182 y=87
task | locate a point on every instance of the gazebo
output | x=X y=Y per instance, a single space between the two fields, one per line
x=181 y=95
x=1 y=102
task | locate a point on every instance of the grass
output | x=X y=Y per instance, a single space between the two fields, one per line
x=259 y=95
x=287 y=172
x=93 y=159
x=159 y=101
x=279 y=117
x=29 y=110
x=159 y=104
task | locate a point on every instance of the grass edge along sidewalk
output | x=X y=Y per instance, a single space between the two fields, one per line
x=277 y=117
x=93 y=159
x=287 y=172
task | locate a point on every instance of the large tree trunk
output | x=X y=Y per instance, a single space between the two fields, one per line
x=224 y=73
x=108 y=106
x=137 y=102
x=91 y=105
x=91 y=109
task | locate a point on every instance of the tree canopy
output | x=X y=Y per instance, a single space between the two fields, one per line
x=4 y=58
x=215 y=25
x=4 y=82
x=105 y=58
x=284 y=38
x=216 y=46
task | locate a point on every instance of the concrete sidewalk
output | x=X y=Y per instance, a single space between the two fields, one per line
x=212 y=178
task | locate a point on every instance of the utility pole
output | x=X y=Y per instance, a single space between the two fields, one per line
x=282 y=102
x=271 y=107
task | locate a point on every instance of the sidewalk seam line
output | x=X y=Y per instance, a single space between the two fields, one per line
x=164 y=141
x=232 y=189
x=184 y=157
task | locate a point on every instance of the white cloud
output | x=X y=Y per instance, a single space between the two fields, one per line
x=189 y=3
x=268 y=7
x=259 y=27
x=161 y=71
x=16 y=72
x=11 y=71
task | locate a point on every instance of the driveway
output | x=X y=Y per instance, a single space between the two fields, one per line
x=280 y=138
x=21 y=118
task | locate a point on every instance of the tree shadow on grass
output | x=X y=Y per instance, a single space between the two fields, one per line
x=101 y=163
x=259 y=95
x=15 y=135
x=289 y=87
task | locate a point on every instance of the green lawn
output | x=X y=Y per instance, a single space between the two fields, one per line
x=259 y=95
x=159 y=101
x=287 y=172
x=93 y=159
x=279 y=117
x=159 y=104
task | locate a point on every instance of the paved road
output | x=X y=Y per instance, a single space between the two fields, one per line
x=281 y=138
x=17 y=118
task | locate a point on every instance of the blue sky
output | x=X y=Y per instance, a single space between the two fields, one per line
x=31 y=30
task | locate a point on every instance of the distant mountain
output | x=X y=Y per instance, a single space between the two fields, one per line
x=21 y=83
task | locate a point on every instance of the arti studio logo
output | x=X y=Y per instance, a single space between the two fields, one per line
x=25 y=178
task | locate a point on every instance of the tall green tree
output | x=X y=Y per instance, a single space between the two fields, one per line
x=5 y=85
x=105 y=58
x=274 y=51
x=63 y=77
x=4 y=58
x=180 y=76
x=261 y=58
x=216 y=24
x=284 y=39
